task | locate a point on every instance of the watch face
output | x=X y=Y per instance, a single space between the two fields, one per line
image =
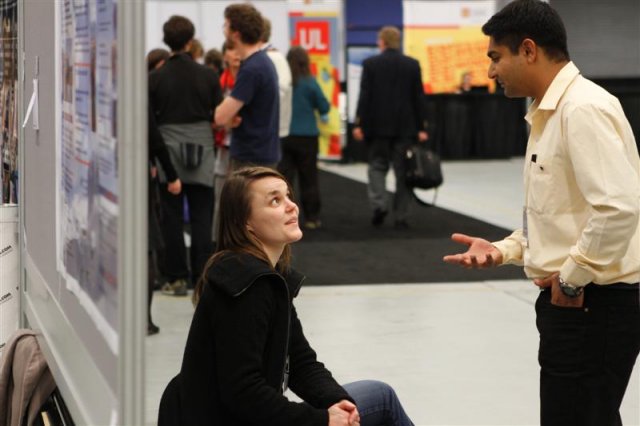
x=570 y=290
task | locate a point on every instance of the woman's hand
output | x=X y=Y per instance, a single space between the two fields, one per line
x=344 y=413
x=174 y=187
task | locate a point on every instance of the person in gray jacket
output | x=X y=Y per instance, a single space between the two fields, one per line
x=183 y=95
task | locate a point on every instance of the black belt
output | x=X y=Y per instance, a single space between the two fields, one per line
x=616 y=294
x=614 y=286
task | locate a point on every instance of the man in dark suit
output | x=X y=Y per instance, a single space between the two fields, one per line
x=390 y=117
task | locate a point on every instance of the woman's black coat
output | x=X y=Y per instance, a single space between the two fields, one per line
x=244 y=330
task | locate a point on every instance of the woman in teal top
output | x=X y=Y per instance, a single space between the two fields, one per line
x=300 y=148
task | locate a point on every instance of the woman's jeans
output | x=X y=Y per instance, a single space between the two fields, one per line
x=377 y=403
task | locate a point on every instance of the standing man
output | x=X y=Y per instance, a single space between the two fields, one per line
x=182 y=96
x=580 y=241
x=390 y=117
x=252 y=108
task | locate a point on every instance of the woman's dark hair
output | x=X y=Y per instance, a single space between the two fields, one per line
x=228 y=44
x=245 y=19
x=232 y=235
x=532 y=19
x=213 y=58
x=178 y=30
x=196 y=50
x=298 y=59
x=155 y=56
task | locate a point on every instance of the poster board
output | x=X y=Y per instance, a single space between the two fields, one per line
x=100 y=376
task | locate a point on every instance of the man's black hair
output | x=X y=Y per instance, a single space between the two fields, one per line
x=178 y=30
x=532 y=19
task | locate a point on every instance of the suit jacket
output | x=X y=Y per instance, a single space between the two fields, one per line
x=391 y=96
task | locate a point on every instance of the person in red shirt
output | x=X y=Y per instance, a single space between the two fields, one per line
x=222 y=135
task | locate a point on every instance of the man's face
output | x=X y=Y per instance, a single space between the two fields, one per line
x=226 y=30
x=508 y=69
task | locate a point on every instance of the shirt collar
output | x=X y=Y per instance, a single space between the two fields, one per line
x=554 y=92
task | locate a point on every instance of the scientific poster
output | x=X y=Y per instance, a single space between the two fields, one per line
x=447 y=39
x=88 y=179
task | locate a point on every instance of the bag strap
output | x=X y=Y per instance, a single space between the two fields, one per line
x=424 y=203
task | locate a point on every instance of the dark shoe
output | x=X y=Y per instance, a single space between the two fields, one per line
x=152 y=329
x=378 y=217
x=401 y=225
x=157 y=284
x=175 y=288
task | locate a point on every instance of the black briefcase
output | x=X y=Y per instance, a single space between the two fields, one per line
x=422 y=170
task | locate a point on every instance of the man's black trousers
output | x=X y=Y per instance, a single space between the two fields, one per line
x=200 y=202
x=587 y=355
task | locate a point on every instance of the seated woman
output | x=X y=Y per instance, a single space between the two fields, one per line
x=246 y=345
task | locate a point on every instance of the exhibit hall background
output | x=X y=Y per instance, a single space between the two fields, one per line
x=604 y=42
x=91 y=375
x=605 y=49
x=315 y=25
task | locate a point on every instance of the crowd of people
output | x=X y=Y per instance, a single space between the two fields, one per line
x=231 y=136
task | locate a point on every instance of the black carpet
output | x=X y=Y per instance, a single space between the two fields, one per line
x=348 y=250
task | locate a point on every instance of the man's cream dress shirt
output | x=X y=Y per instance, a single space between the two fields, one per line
x=582 y=188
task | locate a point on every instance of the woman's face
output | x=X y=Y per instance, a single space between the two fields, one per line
x=232 y=58
x=274 y=216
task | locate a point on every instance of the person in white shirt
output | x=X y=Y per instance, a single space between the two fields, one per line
x=285 y=88
x=580 y=240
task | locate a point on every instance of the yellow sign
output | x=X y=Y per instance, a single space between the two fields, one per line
x=446 y=53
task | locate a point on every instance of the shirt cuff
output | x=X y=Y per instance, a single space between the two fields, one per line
x=574 y=274
x=511 y=251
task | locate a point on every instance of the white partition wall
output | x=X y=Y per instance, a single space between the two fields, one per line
x=83 y=206
x=9 y=274
x=208 y=18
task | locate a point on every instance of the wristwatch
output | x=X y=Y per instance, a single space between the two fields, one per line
x=570 y=290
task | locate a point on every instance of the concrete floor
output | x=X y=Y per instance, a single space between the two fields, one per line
x=457 y=354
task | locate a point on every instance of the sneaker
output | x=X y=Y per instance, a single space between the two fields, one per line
x=175 y=288
x=378 y=217
x=312 y=224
